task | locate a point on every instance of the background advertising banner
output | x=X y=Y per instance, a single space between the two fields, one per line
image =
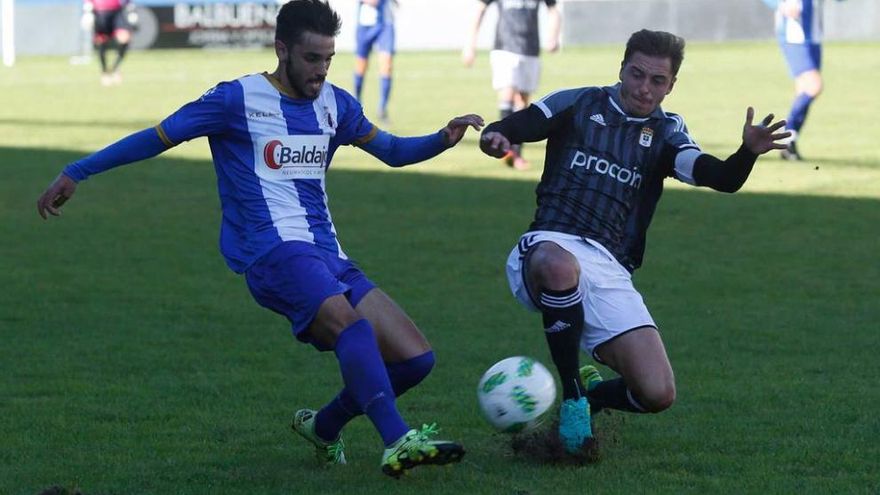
x=214 y=25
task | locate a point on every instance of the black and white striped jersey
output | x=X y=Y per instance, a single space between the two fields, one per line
x=604 y=170
x=517 y=29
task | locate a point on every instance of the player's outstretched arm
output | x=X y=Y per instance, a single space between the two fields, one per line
x=400 y=151
x=729 y=175
x=135 y=147
x=524 y=126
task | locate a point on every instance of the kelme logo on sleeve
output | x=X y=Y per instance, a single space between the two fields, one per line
x=292 y=157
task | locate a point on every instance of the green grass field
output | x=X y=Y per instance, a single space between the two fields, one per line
x=133 y=362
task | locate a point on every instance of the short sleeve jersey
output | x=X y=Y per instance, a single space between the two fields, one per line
x=604 y=170
x=271 y=152
x=381 y=14
x=804 y=29
x=517 y=29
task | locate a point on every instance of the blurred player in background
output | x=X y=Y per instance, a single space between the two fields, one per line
x=111 y=20
x=272 y=137
x=609 y=150
x=375 y=29
x=516 y=67
x=799 y=31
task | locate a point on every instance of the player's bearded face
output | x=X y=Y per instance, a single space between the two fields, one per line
x=644 y=83
x=307 y=64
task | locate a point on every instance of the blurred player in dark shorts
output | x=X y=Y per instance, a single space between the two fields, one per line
x=111 y=20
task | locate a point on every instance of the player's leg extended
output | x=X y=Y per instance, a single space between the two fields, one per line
x=646 y=382
x=553 y=278
x=520 y=101
x=123 y=39
x=505 y=101
x=386 y=66
x=505 y=107
x=102 y=44
x=407 y=355
x=360 y=69
x=103 y=31
x=363 y=47
x=808 y=86
x=408 y=360
x=338 y=326
x=804 y=61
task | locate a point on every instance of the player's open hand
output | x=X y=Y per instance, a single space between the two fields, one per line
x=61 y=189
x=456 y=127
x=494 y=144
x=763 y=137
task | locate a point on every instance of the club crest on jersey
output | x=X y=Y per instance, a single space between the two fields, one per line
x=329 y=119
x=292 y=157
x=647 y=137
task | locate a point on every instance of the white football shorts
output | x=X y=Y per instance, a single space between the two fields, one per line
x=512 y=70
x=612 y=305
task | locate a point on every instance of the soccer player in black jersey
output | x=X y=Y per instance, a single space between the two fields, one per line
x=609 y=150
x=515 y=56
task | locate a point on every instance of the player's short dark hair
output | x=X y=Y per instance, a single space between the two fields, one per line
x=299 y=16
x=656 y=44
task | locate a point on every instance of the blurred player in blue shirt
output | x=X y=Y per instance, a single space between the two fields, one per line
x=609 y=149
x=799 y=31
x=272 y=138
x=375 y=29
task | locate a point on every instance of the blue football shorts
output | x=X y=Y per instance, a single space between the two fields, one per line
x=802 y=57
x=380 y=35
x=295 y=277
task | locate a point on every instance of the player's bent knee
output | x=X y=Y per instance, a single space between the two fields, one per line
x=553 y=267
x=658 y=399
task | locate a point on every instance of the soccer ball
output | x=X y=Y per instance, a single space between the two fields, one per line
x=515 y=393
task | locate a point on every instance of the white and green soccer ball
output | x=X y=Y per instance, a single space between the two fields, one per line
x=515 y=393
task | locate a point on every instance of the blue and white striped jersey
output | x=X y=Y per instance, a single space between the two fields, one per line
x=380 y=15
x=271 y=152
x=604 y=170
x=804 y=29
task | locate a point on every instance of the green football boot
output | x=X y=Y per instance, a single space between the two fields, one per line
x=327 y=452
x=416 y=448
x=590 y=376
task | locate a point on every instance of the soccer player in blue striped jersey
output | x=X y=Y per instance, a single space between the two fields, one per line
x=375 y=29
x=609 y=150
x=799 y=32
x=272 y=138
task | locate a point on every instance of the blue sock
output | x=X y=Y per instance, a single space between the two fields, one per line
x=365 y=377
x=358 y=85
x=404 y=375
x=798 y=113
x=384 y=92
